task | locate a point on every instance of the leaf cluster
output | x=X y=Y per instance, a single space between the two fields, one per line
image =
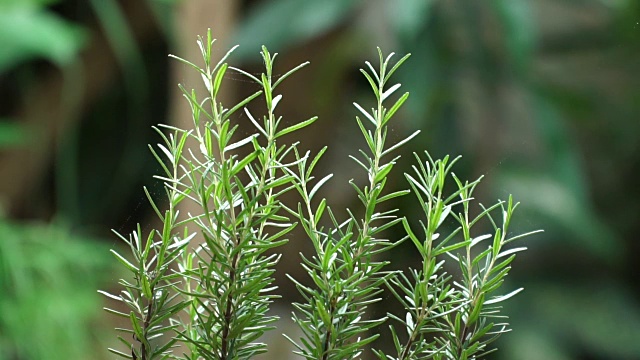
x=221 y=284
x=346 y=269
x=445 y=317
x=212 y=295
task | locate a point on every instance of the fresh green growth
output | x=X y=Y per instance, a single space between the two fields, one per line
x=452 y=317
x=347 y=269
x=211 y=297
x=223 y=282
x=444 y=318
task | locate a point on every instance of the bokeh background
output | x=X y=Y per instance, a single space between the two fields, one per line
x=540 y=96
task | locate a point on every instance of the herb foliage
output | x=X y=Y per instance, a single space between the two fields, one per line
x=213 y=296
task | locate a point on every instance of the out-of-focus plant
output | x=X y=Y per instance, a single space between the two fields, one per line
x=48 y=278
x=222 y=286
x=11 y=134
x=29 y=30
x=57 y=31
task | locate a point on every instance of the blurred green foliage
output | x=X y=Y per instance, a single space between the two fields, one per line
x=48 y=276
x=29 y=30
x=48 y=298
x=11 y=134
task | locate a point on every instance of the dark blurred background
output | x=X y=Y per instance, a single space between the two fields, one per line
x=542 y=97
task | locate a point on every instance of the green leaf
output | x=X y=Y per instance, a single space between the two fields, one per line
x=385 y=226
x=373 y=84
x=366 y=114
x=477 y=308
x=196 y=67
x=124 y=261
x=395 y=107
x=240 y=143
x=383 y=172
x=159 y=159
x=393 y=195
x=242 y=104
x=167 y=153
x=315 y=160
x=412 y=236
x=120 y=353
x=136 y=326
x=295 y=127
x=389 y=91
x=395 y=67
x=278 y=235
x=27 y=32
x=319 y=184
x=497 y=243
x=243 y=163
x=498 y=299
x=319 y=211
x=367 y=136
x=443 y=250
x=400 y=143
x=289 y=73
x=146 y=288
x=218 y=79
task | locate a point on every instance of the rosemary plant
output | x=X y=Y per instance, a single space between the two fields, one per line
x=346 y=269
x=222 y=283
x=213 y=296
x=447 y=318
